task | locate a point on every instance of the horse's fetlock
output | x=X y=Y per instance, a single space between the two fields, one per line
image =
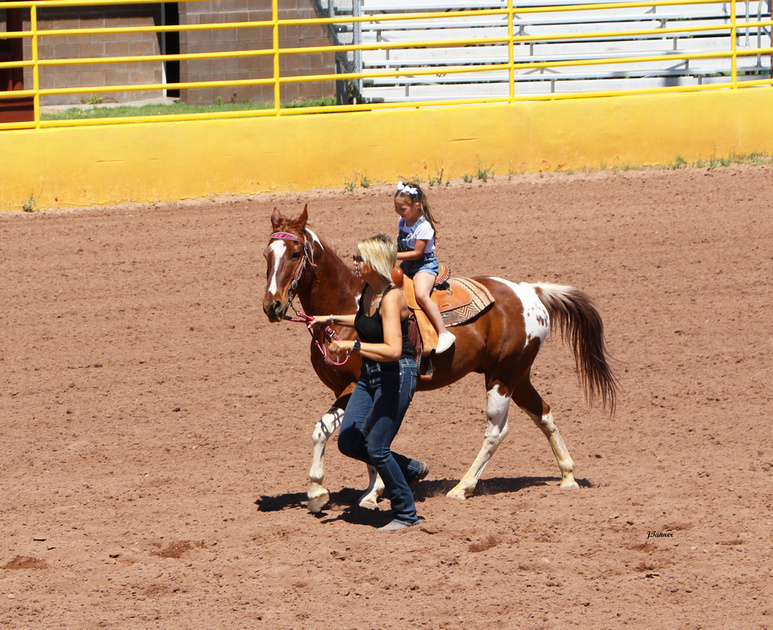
x=493 y=438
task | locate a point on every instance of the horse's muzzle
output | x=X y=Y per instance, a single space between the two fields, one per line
x=274 y=310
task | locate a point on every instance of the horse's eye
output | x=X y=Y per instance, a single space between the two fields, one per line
x=295 y=256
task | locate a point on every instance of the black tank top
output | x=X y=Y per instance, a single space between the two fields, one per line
x=370 y=328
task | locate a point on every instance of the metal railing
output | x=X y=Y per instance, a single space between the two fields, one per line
x=753 y=30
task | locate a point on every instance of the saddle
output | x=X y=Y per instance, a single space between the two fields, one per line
x=459 y=300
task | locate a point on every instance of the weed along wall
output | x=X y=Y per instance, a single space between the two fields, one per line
x=140 y=163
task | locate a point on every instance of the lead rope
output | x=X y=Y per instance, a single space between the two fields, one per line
x=328 y=332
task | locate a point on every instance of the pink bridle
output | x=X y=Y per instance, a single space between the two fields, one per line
x=291 y=237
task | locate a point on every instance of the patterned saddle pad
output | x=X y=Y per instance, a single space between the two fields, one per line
x=459 y=301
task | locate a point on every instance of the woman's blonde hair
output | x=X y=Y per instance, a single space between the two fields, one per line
x=380 y=252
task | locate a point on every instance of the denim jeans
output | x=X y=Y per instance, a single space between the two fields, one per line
x=427 y=263
x=372 y=418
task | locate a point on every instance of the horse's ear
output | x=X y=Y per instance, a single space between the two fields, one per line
x=301 y=220
x=276 y=219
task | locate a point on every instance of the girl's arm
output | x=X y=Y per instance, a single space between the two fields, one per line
x=415 y=253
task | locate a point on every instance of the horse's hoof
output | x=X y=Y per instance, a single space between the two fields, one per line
x=316 y=503
x=459 y=493
x=369 y=501
x=368 y=504
x=569 y=484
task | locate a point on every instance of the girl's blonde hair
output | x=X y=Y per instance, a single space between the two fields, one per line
x=412 y=192
x=380 y=252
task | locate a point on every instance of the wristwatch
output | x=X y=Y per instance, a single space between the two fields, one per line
x=356 y=345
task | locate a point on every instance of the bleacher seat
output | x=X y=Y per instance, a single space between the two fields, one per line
x=435 y=58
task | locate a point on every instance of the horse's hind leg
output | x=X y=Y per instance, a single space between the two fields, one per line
x=527 y=398
x=497 y=407
x=318 y=494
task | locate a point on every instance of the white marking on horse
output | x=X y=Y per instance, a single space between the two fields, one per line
x=497 y=408
x=497 y=405
x=278 y=248
x=314 y=237
x=327 y=425
x=535 y=315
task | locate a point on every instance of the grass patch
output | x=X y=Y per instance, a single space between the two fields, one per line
x=30 y=204
x=749 y=159
x=171 y=109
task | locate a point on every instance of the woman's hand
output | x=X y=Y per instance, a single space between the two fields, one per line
x=340 y=345
x=321 y=320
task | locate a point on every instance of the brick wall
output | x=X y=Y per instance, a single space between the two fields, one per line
x=253 y=39
x=212 y=11
x=81 y=46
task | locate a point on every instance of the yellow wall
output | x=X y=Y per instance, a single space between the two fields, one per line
x=83 y=166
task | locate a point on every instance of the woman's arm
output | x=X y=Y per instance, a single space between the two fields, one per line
x=328 y=320
x=393 y=310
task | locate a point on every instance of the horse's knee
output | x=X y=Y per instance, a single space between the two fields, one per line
x=327 y=426
x=318 y=434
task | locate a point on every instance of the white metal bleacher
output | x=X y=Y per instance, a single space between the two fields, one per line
x=558 y=48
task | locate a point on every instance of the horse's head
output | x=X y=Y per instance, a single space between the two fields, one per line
x=287 y=254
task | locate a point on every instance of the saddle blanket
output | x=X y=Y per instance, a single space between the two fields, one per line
x=460 y=301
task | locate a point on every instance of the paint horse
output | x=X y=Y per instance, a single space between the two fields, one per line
x=501 y=343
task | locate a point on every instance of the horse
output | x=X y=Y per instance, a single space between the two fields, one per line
x=501 y=343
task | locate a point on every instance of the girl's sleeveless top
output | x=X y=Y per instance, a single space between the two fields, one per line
x=370 y=328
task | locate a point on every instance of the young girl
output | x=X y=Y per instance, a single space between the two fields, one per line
x=416 y=253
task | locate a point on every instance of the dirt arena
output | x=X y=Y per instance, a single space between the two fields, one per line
x=156 y=428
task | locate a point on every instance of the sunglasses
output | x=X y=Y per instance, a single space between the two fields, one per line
x=357 y=259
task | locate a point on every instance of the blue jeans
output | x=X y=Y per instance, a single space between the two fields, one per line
x=372 y=418
x=428 y=263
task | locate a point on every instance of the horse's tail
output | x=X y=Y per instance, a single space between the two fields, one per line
x=582 y=327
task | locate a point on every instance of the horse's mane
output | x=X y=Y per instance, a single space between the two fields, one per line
x=329 y=249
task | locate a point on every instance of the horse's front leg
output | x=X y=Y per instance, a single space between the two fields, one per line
x=327 y=425
x=369 y=500
x=497 y=407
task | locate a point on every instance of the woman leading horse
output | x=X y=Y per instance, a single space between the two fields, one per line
x=501 y=343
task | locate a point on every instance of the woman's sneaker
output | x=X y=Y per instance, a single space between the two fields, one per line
x=396 y=525
x=422 y=473
x=445 y=341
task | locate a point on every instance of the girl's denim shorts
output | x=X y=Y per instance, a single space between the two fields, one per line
x=427 y=263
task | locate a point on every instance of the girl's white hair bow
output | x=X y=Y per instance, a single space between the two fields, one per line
x=408 y=190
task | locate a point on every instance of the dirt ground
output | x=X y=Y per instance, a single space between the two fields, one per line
x=156 y=428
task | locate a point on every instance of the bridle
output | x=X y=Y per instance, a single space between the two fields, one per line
x=308 y=257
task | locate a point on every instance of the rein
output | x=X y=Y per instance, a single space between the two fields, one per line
x=328 y=332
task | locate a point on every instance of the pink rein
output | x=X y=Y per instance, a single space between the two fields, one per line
x=328 y=332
